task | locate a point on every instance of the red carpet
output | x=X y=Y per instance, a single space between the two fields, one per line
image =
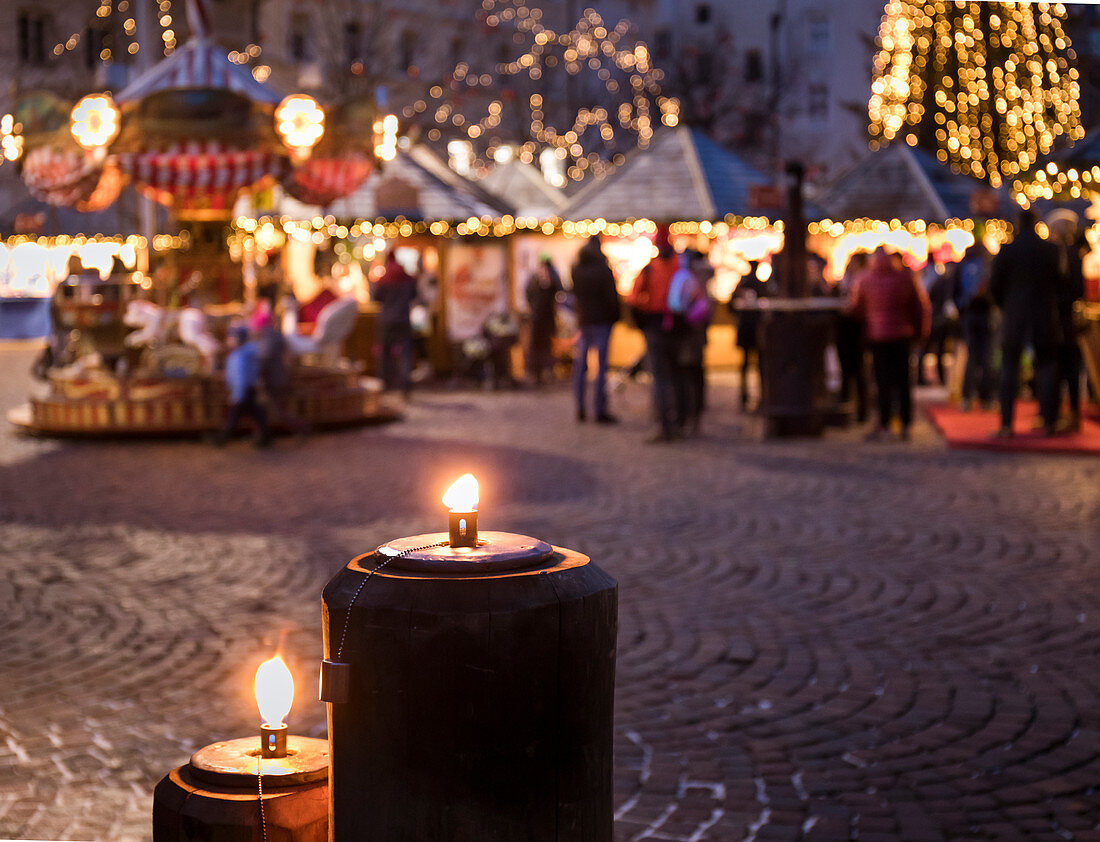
x=975 y=430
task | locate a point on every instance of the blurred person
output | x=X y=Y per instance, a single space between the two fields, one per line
x=395 y=291
x=743 y=305
x=242 y=372
x=1025 y=282
x=940 y=286
x=975 y=309
x=850 y=348
x=895 y=312
x=649 y=304
x=1072 y=289
x=690 y=304
x=274 y=375
x=816 y=282
x=542 y=291
x=598 y=308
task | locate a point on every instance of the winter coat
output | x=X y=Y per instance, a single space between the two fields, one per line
x=892 y=305
x=1025 y=283
x=595 y=292
x=395 y=291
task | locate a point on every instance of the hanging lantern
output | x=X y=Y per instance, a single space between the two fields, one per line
x=95 y=121
x=300 y=123
x=323 y=179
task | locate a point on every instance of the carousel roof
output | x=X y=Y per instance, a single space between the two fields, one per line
x=683 y=175
x=908 y=184
x=416 y=185
x=198 y=64
x=524 y=186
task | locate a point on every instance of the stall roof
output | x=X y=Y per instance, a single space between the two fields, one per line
x=121 y=218
x=416 y=185
x=199 y=63
x=683 y=175
x=524 y=187
x=908 y=184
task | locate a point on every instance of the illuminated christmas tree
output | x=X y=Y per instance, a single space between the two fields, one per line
x=989 y=87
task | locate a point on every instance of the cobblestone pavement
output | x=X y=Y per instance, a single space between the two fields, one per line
x=819 y=640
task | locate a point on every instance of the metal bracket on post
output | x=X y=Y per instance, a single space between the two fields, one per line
x=335 y=681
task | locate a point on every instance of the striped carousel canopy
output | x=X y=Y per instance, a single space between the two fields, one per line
x=199 y=63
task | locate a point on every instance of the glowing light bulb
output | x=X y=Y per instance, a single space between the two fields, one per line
x=462 y=496
x=274 y=691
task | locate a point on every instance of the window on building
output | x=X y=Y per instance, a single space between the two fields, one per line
x=819 y=35
x=702 y=13
x=407 y=54
x=298 y=37
x=31 y=28
x=754 y=66
x=94 y=41
x=818 y=101
x=353 y=42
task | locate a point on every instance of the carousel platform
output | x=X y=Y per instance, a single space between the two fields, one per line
x=324 y=397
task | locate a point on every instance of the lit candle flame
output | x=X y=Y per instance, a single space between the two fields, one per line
x=462 y=495
x=274 y=691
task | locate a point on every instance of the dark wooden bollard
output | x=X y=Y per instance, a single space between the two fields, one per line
x=215 y=797
x=479 y=694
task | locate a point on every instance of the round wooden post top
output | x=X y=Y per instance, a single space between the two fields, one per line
x=234 y=763
x=495 y=551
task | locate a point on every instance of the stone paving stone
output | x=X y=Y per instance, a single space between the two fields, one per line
x=818 y=640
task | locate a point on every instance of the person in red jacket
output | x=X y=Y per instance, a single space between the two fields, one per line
x=896 y=313
x=649 y=305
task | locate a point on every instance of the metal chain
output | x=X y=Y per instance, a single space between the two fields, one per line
x=402 y=554
x=260 y=786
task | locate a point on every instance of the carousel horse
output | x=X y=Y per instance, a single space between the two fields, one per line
x=154 y=326
x=152 y=323
x=334 y=324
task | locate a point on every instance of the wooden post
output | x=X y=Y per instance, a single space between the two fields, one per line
x=216 y=795
x=481 y=685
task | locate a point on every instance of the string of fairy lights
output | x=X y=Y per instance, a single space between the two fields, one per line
x=109 y=50
x=593 y=138
x=990 y=86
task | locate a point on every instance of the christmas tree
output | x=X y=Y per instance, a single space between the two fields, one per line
x=989 y=87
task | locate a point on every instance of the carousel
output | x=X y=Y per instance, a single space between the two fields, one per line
x=193 y=133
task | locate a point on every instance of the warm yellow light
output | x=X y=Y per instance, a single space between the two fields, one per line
x=95 y=121
x=462 y=496
x=300 y=122
x=274 y=691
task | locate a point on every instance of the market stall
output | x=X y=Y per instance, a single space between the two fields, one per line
x=902 y=198
x=447 y=232
x=710 y=199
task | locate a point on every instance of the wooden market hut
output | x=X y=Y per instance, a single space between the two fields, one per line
x=524 y=187
x=908 y=184
x=683 y=179
x=417 y=186
x=682 y=176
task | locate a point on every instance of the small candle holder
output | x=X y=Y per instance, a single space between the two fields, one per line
x=272 y=741
x=463 y=529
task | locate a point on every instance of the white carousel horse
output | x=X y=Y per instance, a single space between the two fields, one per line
x=193 y=330
x=151 y=320
x=155 y=323
x=334 y=324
